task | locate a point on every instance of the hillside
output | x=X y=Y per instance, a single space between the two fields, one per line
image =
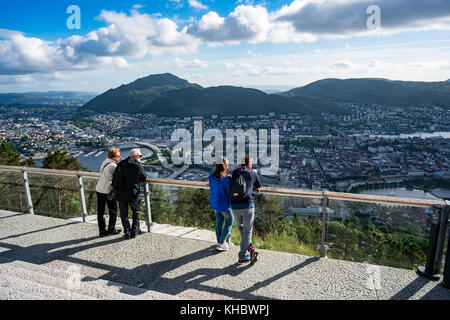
x=168 y=95
x=377 y=91
x=46 y=98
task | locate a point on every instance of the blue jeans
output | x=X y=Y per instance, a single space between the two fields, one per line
x=222 y=234
x=244 y=221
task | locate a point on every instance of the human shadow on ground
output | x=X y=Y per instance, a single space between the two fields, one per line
x=159 y=276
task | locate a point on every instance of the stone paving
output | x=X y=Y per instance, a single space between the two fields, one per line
x=180 y=267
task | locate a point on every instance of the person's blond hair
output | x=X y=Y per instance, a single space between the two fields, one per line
x=113 y=152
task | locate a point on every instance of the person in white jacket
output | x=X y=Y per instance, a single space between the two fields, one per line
x=105 y=195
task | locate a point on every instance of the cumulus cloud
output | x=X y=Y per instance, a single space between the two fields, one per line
x=245 y=23
x=349 y=17
x=252 y=69
x=138 y=35
x=194 y=63
x=20 y=79
x=197 y=5
x=309 y=20
x=126 y=36
x=135 y=35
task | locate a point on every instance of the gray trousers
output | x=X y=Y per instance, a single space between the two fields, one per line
x=244 y=220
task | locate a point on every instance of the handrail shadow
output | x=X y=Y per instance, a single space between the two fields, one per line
x=34 y=231
x=148 y=276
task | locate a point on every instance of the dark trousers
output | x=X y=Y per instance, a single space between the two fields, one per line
x=102 y=201
x=135 y=206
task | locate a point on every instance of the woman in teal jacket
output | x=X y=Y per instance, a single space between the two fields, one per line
x=219 y=187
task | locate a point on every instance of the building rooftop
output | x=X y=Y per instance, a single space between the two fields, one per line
x=160 y=266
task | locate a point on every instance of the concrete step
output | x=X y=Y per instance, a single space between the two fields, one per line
x=50 y=280
x=7 y=293
x=166 y=229
x=204 y=235
x=33 y=288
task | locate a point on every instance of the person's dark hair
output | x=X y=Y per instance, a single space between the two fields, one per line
x=221 y=168
x=246 y=161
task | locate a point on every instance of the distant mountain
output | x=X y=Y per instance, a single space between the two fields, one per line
x=377 y=91
x=168 y=95
x=44 y=98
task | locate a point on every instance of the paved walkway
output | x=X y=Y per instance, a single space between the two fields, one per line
x=167 y=229
x=191 y=269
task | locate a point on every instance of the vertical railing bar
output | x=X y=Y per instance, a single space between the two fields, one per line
x=430 y=270
x=324 y=222
x=148 y=210
x=441 y=238
x=82 y=198
x=27 y=192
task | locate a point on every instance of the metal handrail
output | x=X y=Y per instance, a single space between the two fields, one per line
x=441 y=208
x=411 y=202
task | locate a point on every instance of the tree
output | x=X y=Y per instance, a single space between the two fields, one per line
x=29 y=162
x=162 y=209
x=57 y=193
x=8 y=156
x=269 y=209
x=11 y=191
x=59 y=160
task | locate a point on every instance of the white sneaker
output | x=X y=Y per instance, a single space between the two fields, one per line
x=222 y=246
x=228 y=241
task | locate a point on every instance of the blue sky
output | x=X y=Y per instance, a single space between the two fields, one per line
x=276 y=44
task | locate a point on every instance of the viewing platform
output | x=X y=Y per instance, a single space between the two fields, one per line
x=41 y=257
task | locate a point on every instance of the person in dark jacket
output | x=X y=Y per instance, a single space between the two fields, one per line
x=128 y=195
x=220 y=186
x=244 y=209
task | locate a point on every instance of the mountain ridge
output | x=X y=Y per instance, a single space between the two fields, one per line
x=167 y=95
x=376 y=91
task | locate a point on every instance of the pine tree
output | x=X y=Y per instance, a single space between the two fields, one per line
x=8 y=156
x=59 y=160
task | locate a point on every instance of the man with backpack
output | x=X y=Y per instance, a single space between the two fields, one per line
x=127 y=179
x=243 y=182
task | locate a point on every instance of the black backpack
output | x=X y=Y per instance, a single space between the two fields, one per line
x=118 y=180
x=239 y=189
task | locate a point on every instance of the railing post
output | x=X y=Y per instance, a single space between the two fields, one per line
x=324 y=223
x=26 y=186
x=148 y=210
x=438 y=232
x=446 y=281
x=442 y=235
x=82 y=198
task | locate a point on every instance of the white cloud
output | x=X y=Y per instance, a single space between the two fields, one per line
x=125 y=36
x=348 y=18
x=194 y=63
x=136 y=35
x=197 y=5
x=229 y=65
x=245 y=23
x=58 y=76
x=10 y=80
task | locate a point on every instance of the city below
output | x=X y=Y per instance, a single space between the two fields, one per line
x=387 y=147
